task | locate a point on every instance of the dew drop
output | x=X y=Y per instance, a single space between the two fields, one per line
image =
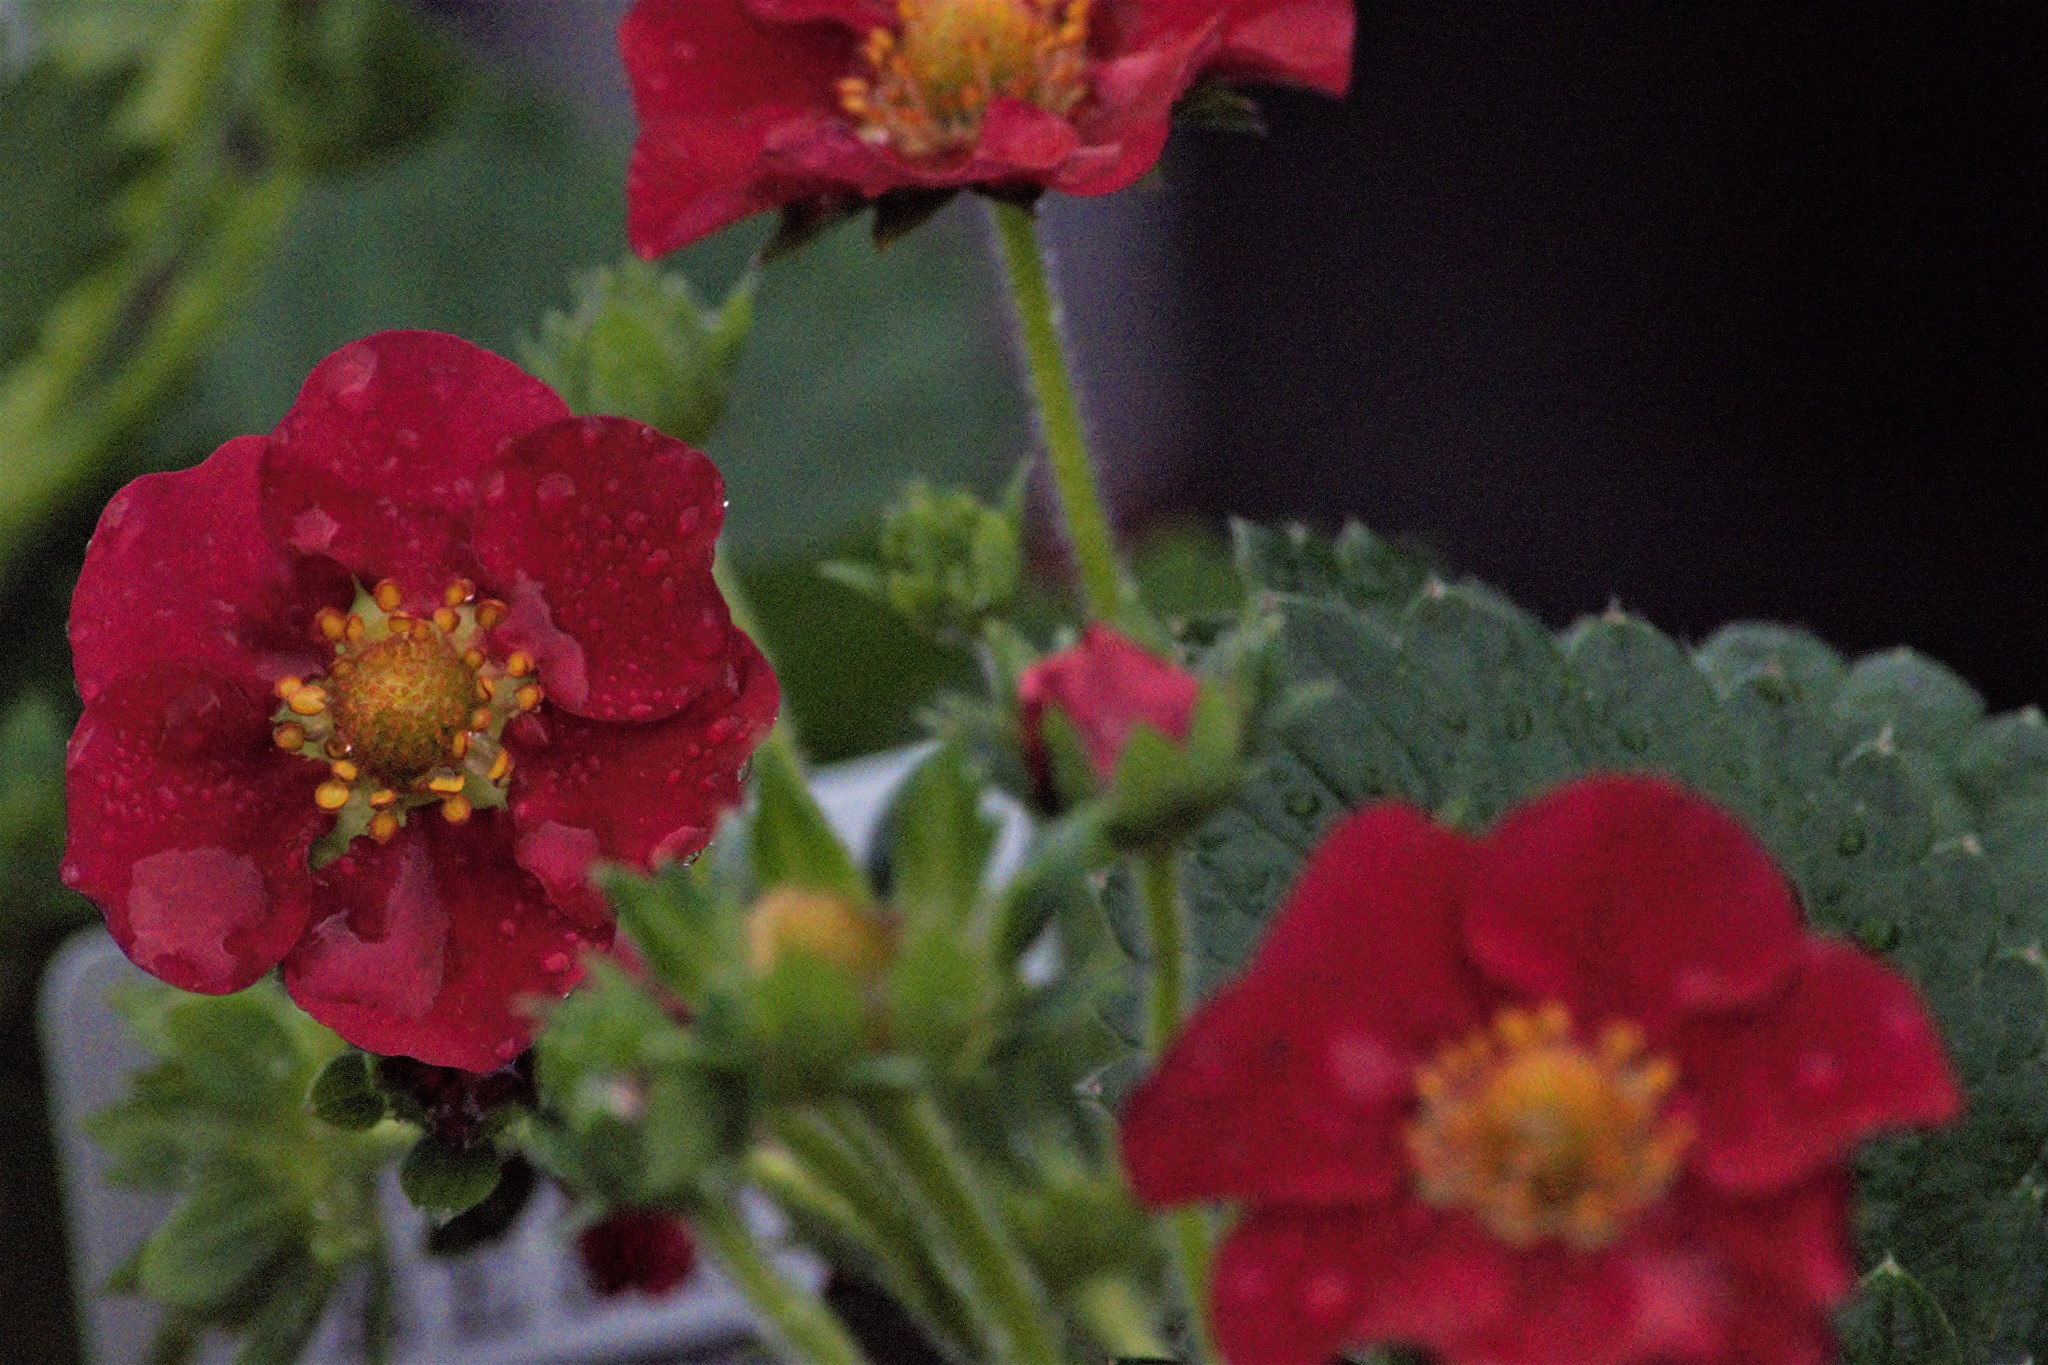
x=349 y=376
x=554 y=490
x=555 y=963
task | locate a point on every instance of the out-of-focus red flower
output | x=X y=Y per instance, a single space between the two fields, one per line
x=748 y=105
x=368 y=696
x=642 y=1250
x=1106 y=687
x=1578 y=1093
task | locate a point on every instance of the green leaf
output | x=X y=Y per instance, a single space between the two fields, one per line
x=342 y=85
x=941 y=996
x=808 y=1022
x=941 y=841
x=1215 y=106
x=1893 y=1321
x=283 y=1328
x=445 y=1180
x=345 y=1094
x=682 y=923
x=792 y=843
x=216 y=1241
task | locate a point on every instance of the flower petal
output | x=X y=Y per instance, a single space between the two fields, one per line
x=180 y=569
x=1292 y=1082
x=189 y=828
x=377 y=465
x=1288 y=42
x=638 y=794
x=1295 y=1284
x=600 y=533
x=436 y=945
x=1629 y=897
x=1845 y=1052
x=714 y=85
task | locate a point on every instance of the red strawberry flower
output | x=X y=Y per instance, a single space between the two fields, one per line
x=748 y=105
x=368 y=696
x=1106 y=687
x=643 y=1251
x=1581 y=1092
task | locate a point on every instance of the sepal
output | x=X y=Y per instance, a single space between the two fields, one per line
x=640 y=343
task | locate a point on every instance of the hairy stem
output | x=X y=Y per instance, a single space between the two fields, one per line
x=1059 y=415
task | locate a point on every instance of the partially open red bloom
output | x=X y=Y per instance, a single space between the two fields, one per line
x=369 y=695
x=1106 y=687
x=1581 y=1092
x=637 y=1250
x=748 y=105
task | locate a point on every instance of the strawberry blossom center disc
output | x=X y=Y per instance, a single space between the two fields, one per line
x=1540 y=1135
x=412 y=712
x=929 y=81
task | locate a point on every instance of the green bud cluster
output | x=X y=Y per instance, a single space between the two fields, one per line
x=948 y=562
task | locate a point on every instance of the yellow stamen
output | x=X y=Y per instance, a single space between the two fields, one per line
x=331 y=795
x=445 y=620
x=290 y=737
x=520 y=664
x=928 y=84
x=529 y=697
x=388 y=594
x=500 y=766
x=456 y=809
x=458 y=592
x=287 y=686
x=332 y=624
x=307 y=701
x=1542 y=1136
x=383 y=799
x=383 y=826
x=490 y=611
x=447 y=784
x=345 y=770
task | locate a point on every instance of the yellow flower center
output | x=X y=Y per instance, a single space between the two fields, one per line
x=930 y=80
x=411 y=713
x=1541 y=1136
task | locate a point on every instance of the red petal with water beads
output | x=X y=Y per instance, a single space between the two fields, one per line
x=377 y=465
x=185 y=828
x=718 y=90
x=1843 y=1053
x=600 y=533
x=180 y=570
x=1334 y=1059
x=436 y=945
x=637 y=1250
x=1631 y=898
x=637 y=794
x=1294 y=1285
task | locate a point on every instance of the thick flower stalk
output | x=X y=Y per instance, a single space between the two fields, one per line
x=1581 y=1092
x=748 y=105
x=368 y=696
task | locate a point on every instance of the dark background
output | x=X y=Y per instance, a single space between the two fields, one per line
x=1728 y=310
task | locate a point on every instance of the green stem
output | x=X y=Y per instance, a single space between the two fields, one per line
x=1116 y=1315
x=783 y=735
x=1166 y=1000
x=921 y=1140
x=797 y=1323
x=1059 y=415
x=1166 y=1005
x=869 y=1214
